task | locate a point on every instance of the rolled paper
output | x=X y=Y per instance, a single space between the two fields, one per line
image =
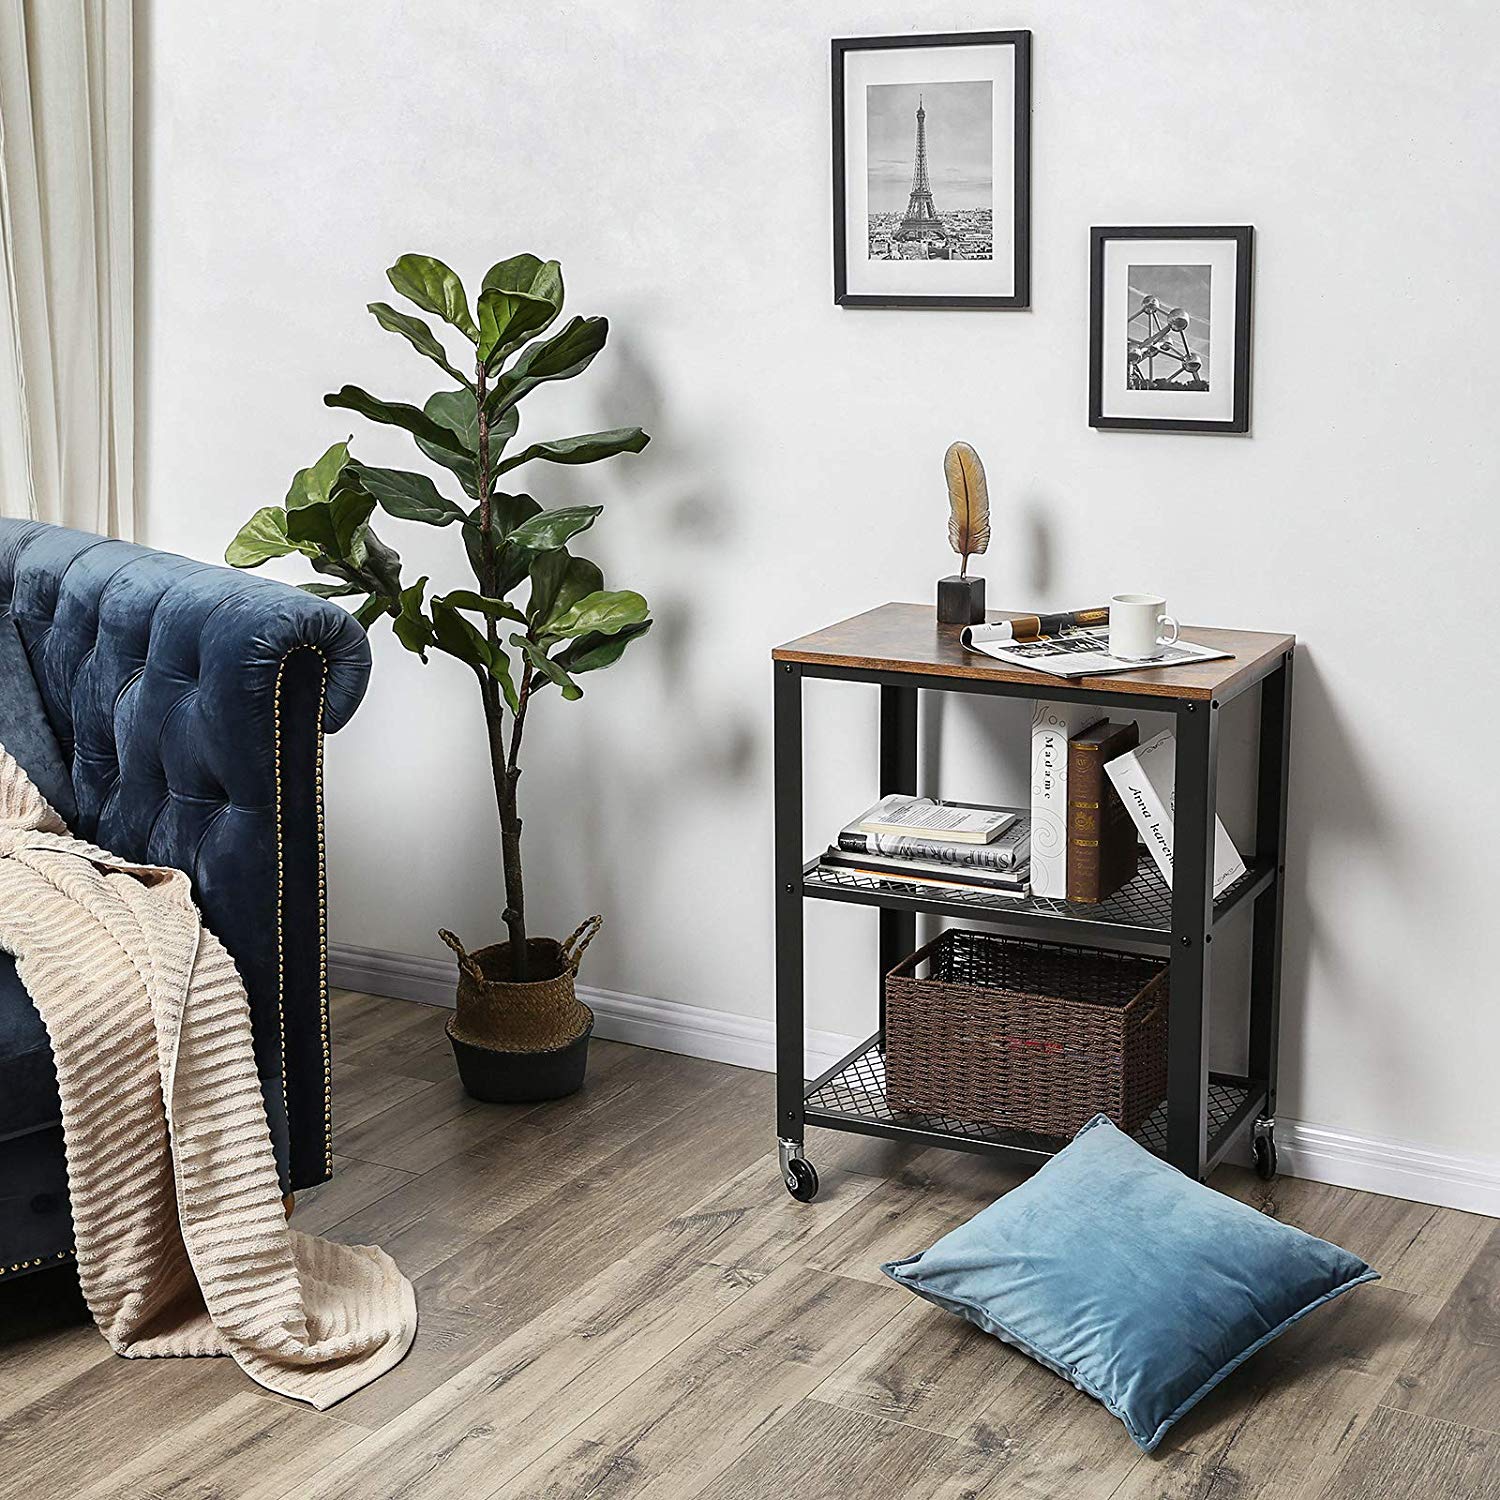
x=977 y=635
x=1031 y=627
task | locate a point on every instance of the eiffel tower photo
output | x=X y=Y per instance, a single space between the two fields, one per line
x=920 y=222
x=905 y=221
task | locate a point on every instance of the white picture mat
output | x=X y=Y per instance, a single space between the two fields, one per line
x=1216 y=404
x=963 y=278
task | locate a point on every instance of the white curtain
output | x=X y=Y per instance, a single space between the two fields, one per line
x=66 y=398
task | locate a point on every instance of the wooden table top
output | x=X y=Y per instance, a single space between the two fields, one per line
x=908 y=638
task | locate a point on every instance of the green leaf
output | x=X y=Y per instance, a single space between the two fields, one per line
x=462 y=639
x=315 y=483
x=601 y=613
x=371 y=610
x=261 y=538
x=591 y=653
x=435 y=289
x=417 y=334
x=408 y=496
x=526 y=273
x=520 y=299
x=564 y=355
x=398 y=414
x=456 y=411
x=585 y=449
x=553 y=528
x=492 y=609
x=508 y=319
x=335 y=568
x=332 y=590
x=330 y=524
x=459 y=637
x=502 y=430
x=413 y=629
x=558 y=581
x=377 y=562
x=507 y=512
x=547 y=667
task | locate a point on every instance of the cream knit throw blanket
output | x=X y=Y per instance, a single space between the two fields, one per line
x=183 y=1247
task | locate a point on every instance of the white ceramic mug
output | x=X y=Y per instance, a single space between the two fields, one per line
x=1135 y=626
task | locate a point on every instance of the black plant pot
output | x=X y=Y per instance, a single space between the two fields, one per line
x=497 y=1077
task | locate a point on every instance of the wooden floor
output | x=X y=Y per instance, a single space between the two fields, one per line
x=619 y=1299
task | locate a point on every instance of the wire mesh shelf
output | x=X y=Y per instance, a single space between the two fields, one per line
x=1144 y=903
x=856 y=1094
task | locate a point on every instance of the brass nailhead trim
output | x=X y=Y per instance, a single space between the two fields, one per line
x=322 y=905
x=280 y=883
x=40 y=1260
x=323 y=945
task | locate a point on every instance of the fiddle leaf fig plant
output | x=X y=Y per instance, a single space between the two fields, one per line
x=540 y=616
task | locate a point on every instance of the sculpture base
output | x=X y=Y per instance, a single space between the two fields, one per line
x=960 y=601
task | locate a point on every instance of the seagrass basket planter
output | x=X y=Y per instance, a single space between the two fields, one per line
x=1033 y=1036
x=516 y=1043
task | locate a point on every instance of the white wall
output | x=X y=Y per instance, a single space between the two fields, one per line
x=675 y=158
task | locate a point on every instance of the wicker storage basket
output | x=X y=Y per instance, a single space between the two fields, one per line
x=1033 y=1036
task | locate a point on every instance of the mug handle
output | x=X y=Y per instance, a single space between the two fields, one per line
x=1176 y=630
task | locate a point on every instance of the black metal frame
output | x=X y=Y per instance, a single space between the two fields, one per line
x=1019 y=298
x=1243 y=236
x=1204 y=1113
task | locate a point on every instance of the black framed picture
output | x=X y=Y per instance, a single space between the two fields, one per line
x=1169 y=328
x=932 y=170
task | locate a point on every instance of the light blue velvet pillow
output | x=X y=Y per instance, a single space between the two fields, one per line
x=1139 y=1285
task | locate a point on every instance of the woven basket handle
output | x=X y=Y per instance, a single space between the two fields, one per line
x=1157 y=990
x=584 y=934
x=465 y=963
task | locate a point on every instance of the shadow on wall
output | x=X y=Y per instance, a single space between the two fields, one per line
x=1037 y=549
x=711 y=751
x=1337 y=822
x=697 y=514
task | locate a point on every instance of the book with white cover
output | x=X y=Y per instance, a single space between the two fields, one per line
x=1052 y=725
x=943 y=822
x=1009 y=850
x=1146 y=779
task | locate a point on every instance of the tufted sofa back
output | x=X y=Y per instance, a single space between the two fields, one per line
x=189 y=703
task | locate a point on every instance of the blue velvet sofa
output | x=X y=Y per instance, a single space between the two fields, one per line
x=174 y=713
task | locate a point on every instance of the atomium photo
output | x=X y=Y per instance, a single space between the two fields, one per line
x=1169 y=328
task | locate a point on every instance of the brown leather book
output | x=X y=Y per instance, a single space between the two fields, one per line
x=1102 y=849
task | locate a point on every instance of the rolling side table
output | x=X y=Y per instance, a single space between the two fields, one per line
x=902 y=650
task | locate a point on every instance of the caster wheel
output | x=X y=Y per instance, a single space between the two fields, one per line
x=801 y=1180
x=1265 y=1157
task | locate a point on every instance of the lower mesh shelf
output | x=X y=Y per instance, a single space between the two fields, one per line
x=856 y=1093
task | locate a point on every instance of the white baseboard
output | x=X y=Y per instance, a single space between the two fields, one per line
x=1395 y=1168
x=666 y=1025
x=433 y=981
x=1315 y=1152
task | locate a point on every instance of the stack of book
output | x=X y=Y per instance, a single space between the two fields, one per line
x=1097 y=794
x=950 y=845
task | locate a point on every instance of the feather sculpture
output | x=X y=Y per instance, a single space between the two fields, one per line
x=969 y=500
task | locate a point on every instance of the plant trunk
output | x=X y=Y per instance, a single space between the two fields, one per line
x=503 y=767
x=505 y=778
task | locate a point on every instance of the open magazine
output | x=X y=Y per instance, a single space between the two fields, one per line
x=1075 y=651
